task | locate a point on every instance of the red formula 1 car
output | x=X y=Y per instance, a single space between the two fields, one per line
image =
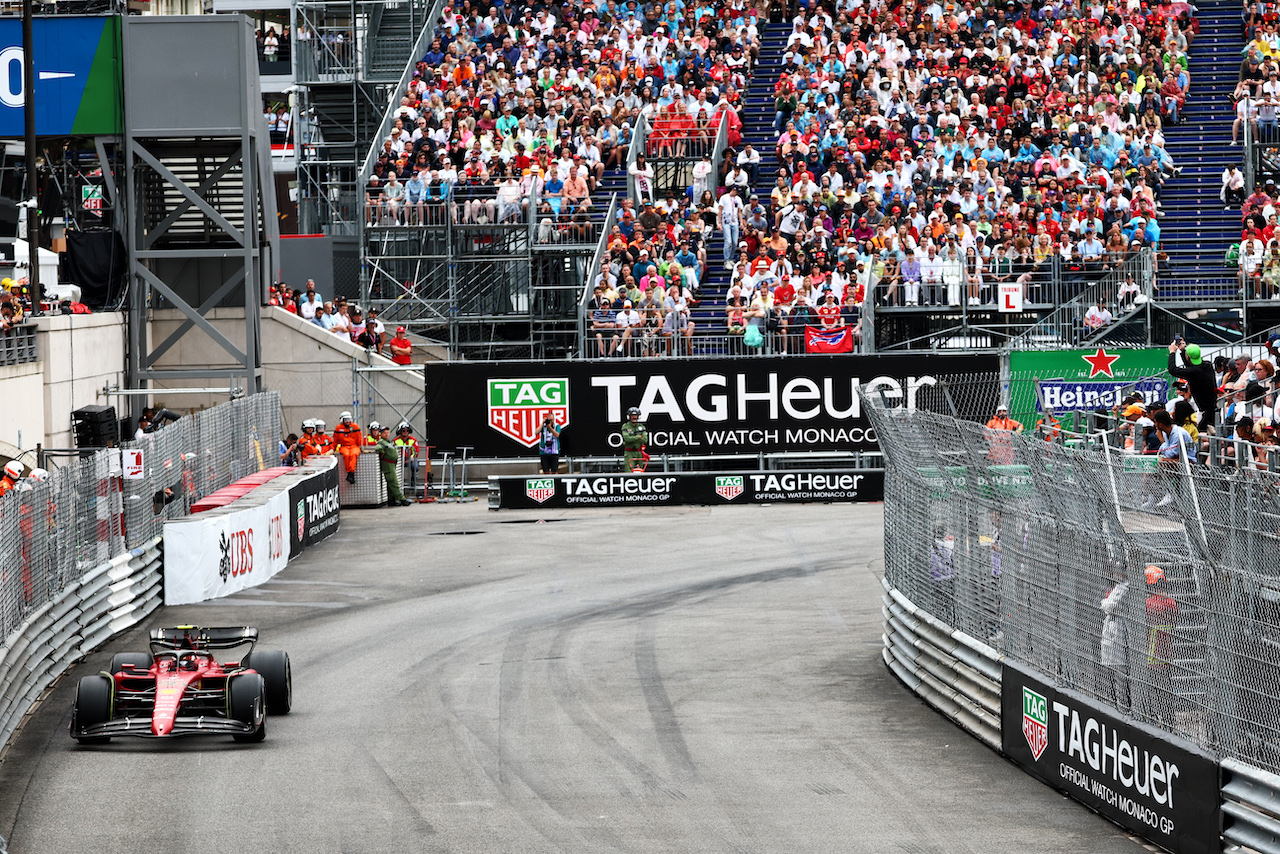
x=179 y=688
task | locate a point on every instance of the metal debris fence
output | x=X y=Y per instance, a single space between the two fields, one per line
x=1039 y=548
x=88 y=512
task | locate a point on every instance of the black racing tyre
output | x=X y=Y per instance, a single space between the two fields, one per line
x=141 y=661
x=245 y=703
x=274 y=666
x=92 y=707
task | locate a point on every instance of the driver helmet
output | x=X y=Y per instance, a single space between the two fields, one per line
x=13 y=468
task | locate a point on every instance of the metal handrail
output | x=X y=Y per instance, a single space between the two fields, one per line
x=639 y=143
x=420 y=45
x=717 y=156
x=602 y=246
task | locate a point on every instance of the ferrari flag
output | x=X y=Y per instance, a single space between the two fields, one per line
x=828 y=340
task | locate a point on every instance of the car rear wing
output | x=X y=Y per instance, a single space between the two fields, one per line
x=195 y=637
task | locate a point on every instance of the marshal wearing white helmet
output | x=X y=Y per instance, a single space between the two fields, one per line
x=12 y=475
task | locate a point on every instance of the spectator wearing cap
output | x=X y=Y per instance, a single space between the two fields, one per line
x=401 y=347
x=629 y=322
x=1185 y=362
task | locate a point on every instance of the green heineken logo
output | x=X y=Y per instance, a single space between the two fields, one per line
x=540 y=488
x=729 y=487
x=1035 y=721
x=517 y=407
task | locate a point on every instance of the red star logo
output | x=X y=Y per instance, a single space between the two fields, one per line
x=1100 y=363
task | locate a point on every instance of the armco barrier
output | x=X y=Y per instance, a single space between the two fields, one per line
x=956 y=674
x=1250 y=807
x=103 y=602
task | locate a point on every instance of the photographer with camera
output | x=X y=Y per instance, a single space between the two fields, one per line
x=549 y=445
x=1186 y=363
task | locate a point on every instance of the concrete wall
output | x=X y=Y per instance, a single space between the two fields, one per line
x=311 y=368
x=22 y=422
x=80 y=354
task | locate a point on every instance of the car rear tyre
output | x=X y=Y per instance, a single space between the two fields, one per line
x=93 y=707
x=245 y=702
x=278 y=675
x=141 y=661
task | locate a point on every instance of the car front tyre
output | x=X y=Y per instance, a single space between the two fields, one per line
x=92 y=707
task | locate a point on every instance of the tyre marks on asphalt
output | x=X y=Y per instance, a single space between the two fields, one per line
x=666 y=726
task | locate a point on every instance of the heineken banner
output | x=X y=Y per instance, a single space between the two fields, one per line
x=1153 y=783
x=696 y=406
x=1085 y=380
x=613 y=490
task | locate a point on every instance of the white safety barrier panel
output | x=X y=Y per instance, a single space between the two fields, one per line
x=951 y=671
x=1250 y=808
x=246 y=542
x=103 y=602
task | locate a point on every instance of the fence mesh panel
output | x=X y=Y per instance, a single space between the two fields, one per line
x=86 y=512
x=1040 y=549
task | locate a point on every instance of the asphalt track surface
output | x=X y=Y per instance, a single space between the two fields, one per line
x=649 y=680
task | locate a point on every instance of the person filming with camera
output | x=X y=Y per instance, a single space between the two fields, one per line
x=549 y=445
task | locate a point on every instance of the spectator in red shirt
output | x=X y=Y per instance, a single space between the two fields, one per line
x=401 y=347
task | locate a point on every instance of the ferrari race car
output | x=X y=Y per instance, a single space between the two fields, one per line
x=179 y=688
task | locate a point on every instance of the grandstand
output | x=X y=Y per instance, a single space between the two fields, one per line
x=1012 y=131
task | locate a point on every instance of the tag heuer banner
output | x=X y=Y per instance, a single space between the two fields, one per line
x=313 y=505
x=1085 y=380
x=1153 y=783
x=697 y=406
x=613 y=490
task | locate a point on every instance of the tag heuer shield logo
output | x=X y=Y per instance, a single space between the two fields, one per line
x=540 y=489
x=729 y=488
x=302 y=518
x=1035 y=721
x=517 y=407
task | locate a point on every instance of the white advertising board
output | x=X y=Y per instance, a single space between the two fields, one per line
x=1010 y=296
x=212 y=555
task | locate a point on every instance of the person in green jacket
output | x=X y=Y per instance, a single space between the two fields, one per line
x=388 y=456
x=634 y=438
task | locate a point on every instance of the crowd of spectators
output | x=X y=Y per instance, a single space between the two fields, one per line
x=521 y=104
x=1236 y=397
x=360 y=327
x=928 y=152
x=1257 y=107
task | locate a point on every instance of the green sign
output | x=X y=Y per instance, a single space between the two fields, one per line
x=1079 y=381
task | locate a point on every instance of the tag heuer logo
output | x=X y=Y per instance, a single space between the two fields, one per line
x=302 y=518
x=517 y=407
x=1035 y=721
x=729 y=488
x=540 y=489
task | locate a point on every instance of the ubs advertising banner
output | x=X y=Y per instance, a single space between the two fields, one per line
x=1085 y=380
x=696 y=406
x=1159 y=786
x=613 y=490
x=313 y=505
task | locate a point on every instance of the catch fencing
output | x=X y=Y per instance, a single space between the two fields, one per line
x=81 y=561
x=1038 y=549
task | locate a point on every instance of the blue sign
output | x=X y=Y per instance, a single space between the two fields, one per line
x=77 y=70
x=1088 y=395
